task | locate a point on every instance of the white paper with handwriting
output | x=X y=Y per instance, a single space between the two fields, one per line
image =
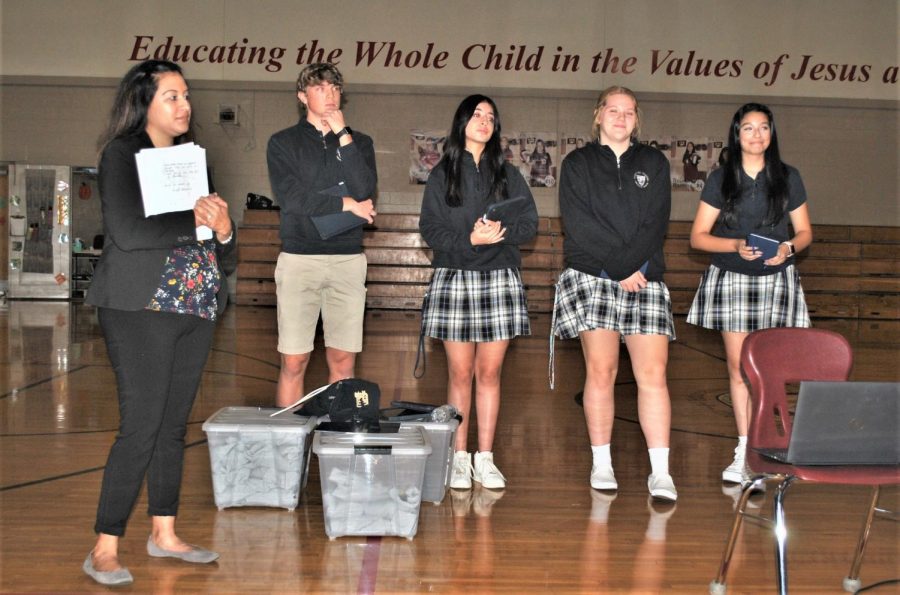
x=172 y=179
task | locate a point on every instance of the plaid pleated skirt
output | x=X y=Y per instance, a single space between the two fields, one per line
x=585 y=302
x=739 y=303
x=475 y=306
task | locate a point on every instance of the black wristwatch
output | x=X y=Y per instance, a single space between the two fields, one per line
x=343 y=131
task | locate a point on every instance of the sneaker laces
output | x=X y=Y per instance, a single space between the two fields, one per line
x=488 y=468
x=462 y=466
x=738 y=464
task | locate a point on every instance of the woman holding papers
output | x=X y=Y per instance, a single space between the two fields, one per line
x=158 y=291
x=614 y=197
x=753 y=192
x=476 y=302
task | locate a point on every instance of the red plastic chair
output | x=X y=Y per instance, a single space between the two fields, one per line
x=770 y=359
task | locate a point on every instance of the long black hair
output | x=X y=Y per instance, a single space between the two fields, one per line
x=136 y=91
x=775 y=169
x=455 y=150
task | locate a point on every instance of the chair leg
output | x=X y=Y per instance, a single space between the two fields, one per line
x=781 y=535
x=717 y=587
x=852 y=582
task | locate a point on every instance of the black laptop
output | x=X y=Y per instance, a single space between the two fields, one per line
x=844 y=423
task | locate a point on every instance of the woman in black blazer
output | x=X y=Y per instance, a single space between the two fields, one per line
x=158 y=292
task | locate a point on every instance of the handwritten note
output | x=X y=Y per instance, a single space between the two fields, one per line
x=172 y=179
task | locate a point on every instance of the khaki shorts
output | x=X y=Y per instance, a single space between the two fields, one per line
x=331 y=284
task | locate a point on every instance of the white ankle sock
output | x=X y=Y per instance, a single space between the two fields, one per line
x=659 y=461
x=602 y=456
x=742 y=442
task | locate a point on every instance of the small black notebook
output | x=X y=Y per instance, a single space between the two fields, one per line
x=767 y=246
x=335 y=224
x=505 y=211
x=329 y=226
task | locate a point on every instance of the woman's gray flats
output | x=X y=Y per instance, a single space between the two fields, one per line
x=110 y=578
x=196 y=555
x=113 y=578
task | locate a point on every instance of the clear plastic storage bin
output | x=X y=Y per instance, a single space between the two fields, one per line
x=258 y=460
x=437 y=467
x=372 y=483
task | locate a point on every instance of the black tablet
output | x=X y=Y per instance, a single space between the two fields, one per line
x=329 y=226
x=506 y=211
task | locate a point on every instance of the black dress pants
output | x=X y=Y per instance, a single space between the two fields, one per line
x=158 y=359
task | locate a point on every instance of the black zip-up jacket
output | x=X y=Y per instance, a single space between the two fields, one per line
x=447 y=229
x=615 y=215
x=304 y=165
x=136 y=247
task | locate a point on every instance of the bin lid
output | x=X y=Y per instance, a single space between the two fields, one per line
x=407 y=441
x=257 y=418
x=434 y=426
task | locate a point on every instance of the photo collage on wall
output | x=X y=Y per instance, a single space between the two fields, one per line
x=570 y=142
x=691 y=159
x=538 y=155
x=535 y=154
x=425 y=149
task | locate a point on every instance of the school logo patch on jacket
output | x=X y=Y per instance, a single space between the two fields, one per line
x=641 y=179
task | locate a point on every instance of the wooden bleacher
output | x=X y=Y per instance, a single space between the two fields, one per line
x=850 y=272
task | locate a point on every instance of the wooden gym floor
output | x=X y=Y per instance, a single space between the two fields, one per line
x=548 y=532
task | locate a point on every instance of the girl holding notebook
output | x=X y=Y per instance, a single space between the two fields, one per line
x=753 y=194
x=476 y=302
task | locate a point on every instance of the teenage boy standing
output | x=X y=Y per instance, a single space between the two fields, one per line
x=320 y=167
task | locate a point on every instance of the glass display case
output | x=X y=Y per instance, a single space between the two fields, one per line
x=50 y=210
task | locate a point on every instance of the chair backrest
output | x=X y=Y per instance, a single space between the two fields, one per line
x=772 y=358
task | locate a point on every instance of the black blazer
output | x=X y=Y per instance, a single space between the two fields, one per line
x=136 y=247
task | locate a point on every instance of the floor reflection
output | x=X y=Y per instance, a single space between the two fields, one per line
x=648 y=561
x=547 y=533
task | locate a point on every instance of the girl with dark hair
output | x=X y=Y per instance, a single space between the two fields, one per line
x=740 y=292
x=158 y=291
x=615 y=197
x=691 y=162
x=475 y=302
x=540 y=164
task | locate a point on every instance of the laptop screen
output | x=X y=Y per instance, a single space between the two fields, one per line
x=846 y=423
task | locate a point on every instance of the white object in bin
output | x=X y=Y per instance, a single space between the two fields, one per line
x=437 y=467
x=372 y=483
x=256 y=459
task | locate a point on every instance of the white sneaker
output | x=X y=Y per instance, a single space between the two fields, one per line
x=486 y=472
x=461 y=473
x=603 y=478
x=662 y=487
x=736 y=472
